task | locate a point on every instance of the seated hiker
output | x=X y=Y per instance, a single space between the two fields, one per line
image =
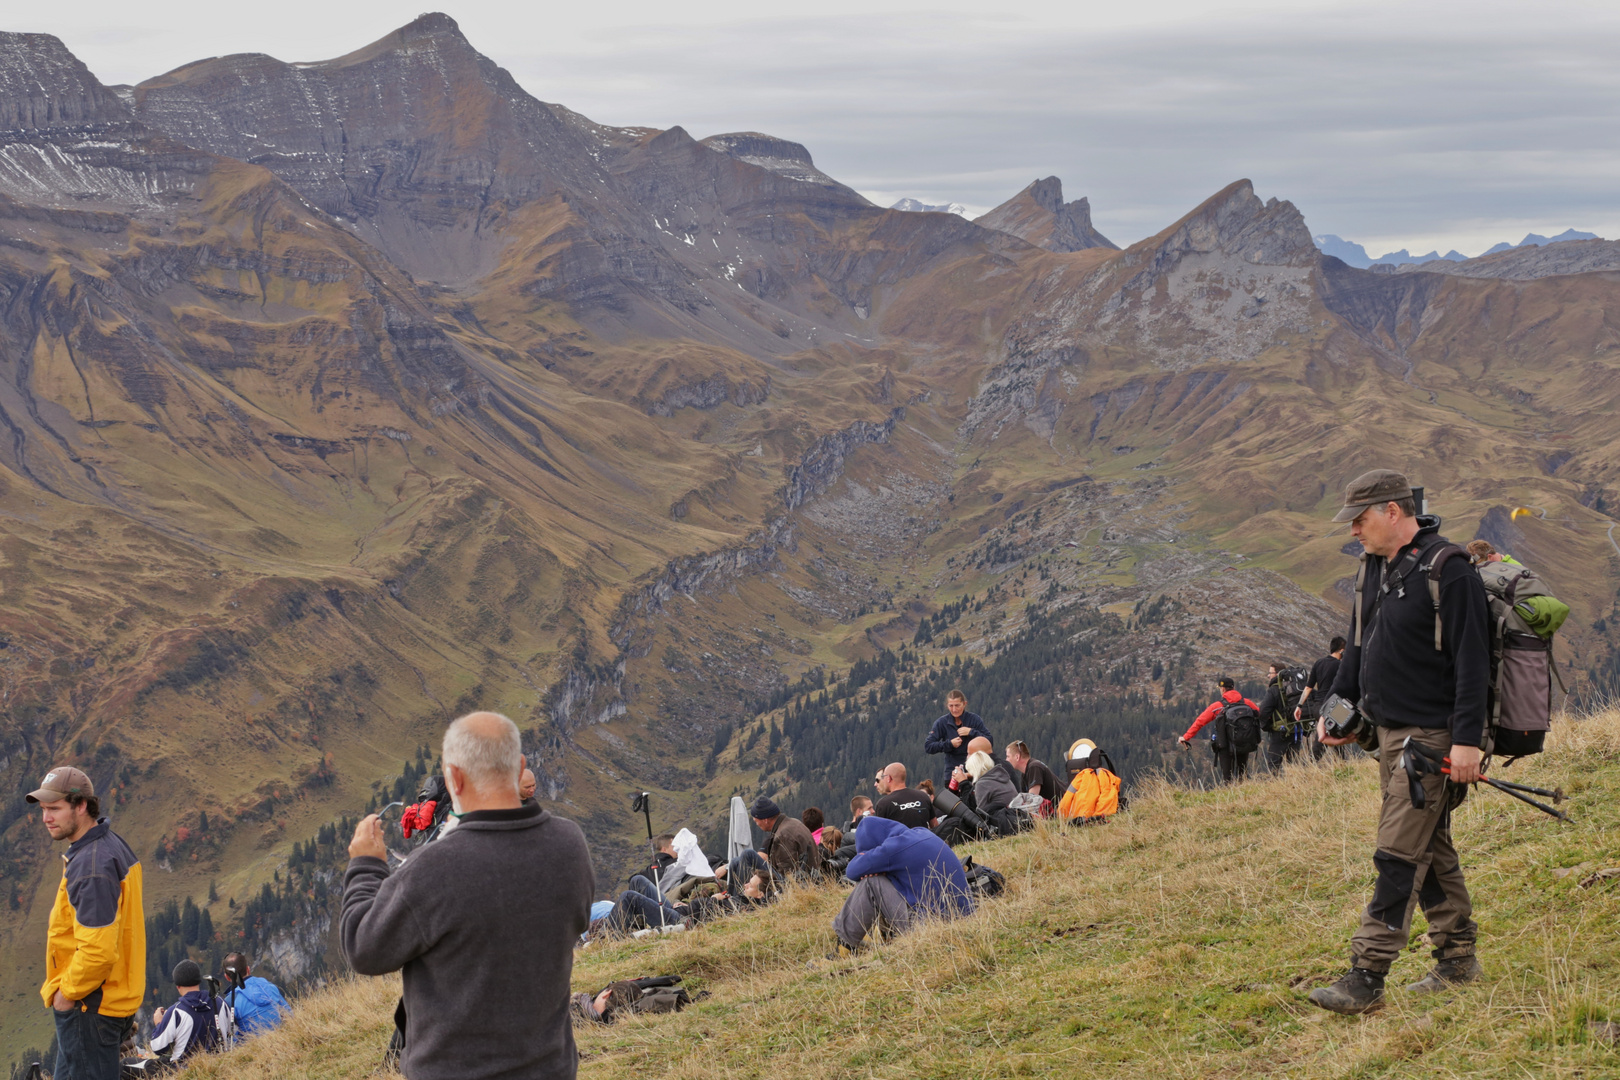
x=833 y=857
x=859 y=807
x=813 y=820
x=901 y=875
x=791 y=849
x=689 y=871
x=961 y=780
x=1236 y=733
x=1092 y=795
x=1039 y=779
x=897 y=802
x=926 y=786
x=195 y=1023
x=641 y=907
x=994 y=786
x=257 y=1004
x=1483 y=553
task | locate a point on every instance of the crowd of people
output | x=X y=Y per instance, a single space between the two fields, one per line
x=515 y=882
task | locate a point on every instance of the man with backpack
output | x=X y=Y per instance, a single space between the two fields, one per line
x=1317 y=687
x=195 y=1023
x=1236 y=734
x=1285 y=732
x=1418 y=668
x=256 y=1004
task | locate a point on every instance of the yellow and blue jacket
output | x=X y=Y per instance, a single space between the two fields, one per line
x=97 y=938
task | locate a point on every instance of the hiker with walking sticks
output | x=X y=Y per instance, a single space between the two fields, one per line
x=1414 y=681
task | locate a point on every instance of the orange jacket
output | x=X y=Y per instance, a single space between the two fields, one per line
x=1092 y=793
x=97 y=935
x=1230 y=697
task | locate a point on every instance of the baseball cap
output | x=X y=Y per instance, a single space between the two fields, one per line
x=59 y=783
x=1373 y=489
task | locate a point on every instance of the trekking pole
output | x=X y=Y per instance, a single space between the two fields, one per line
x=1508 y=789
x=1556 y=795
x=643 y=802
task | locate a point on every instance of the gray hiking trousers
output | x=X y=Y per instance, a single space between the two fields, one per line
x=875 y=907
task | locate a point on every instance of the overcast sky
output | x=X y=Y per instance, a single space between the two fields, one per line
x=1416 y=125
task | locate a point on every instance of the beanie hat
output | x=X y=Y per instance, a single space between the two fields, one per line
x=764 y=809
x=187 y=973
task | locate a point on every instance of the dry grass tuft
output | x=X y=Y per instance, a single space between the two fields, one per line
x=1178 y=941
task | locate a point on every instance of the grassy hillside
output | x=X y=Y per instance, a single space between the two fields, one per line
x=1178 y=941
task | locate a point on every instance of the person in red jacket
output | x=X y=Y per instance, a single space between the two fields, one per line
x=1230 y=764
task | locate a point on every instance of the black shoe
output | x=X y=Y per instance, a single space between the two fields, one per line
x=1448 y=974
x=1358 y=991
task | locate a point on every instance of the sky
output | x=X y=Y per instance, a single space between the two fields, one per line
x=1418 y=125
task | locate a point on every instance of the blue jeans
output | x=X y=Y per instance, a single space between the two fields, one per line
x=641 y=902
x=87 y=1042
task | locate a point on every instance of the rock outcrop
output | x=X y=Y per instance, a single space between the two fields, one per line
x=1039 y=215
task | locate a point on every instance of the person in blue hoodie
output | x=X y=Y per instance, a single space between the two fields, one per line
x=900 y=875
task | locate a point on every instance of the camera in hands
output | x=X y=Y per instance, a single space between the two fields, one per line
x=1341 y=719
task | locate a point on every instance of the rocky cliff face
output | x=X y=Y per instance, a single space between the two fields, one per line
x=1039 y=215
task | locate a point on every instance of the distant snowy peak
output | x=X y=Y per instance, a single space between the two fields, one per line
x=918 y=206
x=1354 y=254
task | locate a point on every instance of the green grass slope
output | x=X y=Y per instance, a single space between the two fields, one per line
x=1178 y=941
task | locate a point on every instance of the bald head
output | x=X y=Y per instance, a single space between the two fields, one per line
x=979 y=744
x=484 y=748
x=896 y=773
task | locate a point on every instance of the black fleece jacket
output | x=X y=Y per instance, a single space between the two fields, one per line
x=483 y=922
x=1396 y=675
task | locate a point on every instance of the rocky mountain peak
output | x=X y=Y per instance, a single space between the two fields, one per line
x=44 y=87
x=1039 y=215
x=1235 y=222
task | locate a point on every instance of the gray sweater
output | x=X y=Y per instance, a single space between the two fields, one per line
x=483 y=922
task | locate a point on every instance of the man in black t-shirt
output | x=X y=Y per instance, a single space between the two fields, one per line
x=1038 y=777
x=1317 y=688
x=910 y=807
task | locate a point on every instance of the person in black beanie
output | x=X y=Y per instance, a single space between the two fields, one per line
x=790 y=845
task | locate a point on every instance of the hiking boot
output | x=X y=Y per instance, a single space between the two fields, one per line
x=1448 y=974
x=1358 y=991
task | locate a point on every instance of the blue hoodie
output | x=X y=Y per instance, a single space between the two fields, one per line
x=922 y=867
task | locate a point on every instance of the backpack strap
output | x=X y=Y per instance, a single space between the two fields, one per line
x=1361 y=581
x=1437 y=563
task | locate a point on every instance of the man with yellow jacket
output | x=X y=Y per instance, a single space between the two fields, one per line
x=95 y=951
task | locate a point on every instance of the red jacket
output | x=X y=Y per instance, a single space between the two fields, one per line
x=1230 y=697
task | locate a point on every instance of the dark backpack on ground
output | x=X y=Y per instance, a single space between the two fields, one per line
x=983 y=882
x=1238 y=728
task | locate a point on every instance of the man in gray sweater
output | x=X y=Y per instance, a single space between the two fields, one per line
x=483 y=921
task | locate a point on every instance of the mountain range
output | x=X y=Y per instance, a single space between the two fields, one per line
x=1354 y=254
x=344 y=396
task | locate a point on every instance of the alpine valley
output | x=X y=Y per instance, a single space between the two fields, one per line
x=341 y=397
